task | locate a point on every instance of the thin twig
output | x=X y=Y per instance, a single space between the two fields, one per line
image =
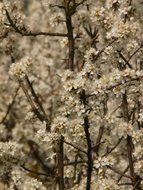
x=99 y=137
x=129 y=140
x=136 y=185
x=119 y=172
x=80 y=3
x=103 y=49
x=37 y=101
x=136 y=51
x=125 y=60
x=111 y=87
x=37 y=173
x=126 y=169
x=24 y=32
x=120 y=184
x=73 y=162
x=121 y=83
x=36 y=154
x=114 y=147
x=10 y=106
x=75 y=146
x=31 y=102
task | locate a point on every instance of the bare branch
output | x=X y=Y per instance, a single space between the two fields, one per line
x=108 y=88
x=126 y=169
x=119 y=172
x=130 y=145
x=125 y=60
x=89 y=145
x=80 y=3
x=36 y=99
x=75 y=146
x=103 y=49
x=124 y=184
x=10 y=106
x=37 y=173
x=114 y=147
x=34 y=151
x=37 y=110
x=136 y=51
x=24 y=32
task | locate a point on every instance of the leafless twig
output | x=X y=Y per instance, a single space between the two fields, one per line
x=25 y=32
x=10 y=106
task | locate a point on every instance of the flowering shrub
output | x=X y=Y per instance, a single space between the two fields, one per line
x=71 y=85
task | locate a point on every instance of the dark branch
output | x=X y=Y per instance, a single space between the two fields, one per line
x=80 y=3
x=70 y=35
x=118 y=172
x=75 y=146
x=136 y=51
x=125 y=60
x=89 y=145
x=60 y=162
x=126 y=169
x=36 y=99
x=103 y=49
x=114 y=147
x=24 y=32
x=37 y=173
x=10 y=106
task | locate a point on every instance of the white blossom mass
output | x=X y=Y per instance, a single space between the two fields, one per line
x=71 y=95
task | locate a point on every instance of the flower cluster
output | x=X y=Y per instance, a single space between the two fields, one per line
x=103 y=161
x=20 y=69
x=23 y=182
x=9 y=152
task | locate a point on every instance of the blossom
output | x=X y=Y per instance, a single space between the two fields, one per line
x=110 y=3
x=24 y=182
x=139 y=168
x=103 y=161
x=140 y=115
x=90 y=54
x=19 y=69
x=9 y=152
x=29 y=116
x=94 y=107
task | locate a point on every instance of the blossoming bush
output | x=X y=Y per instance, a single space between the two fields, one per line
x=71 y=85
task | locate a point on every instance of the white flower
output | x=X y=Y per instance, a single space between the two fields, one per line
x=29 y=115
x=109 y=3
x=141 y=115
x=9 y=151
x=90 y=54
x=19 y=69
x=103 y=161
x=64 y=42
x=23 y=181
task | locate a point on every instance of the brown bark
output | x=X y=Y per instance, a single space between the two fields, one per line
x=135 y=179
x=60 y=163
